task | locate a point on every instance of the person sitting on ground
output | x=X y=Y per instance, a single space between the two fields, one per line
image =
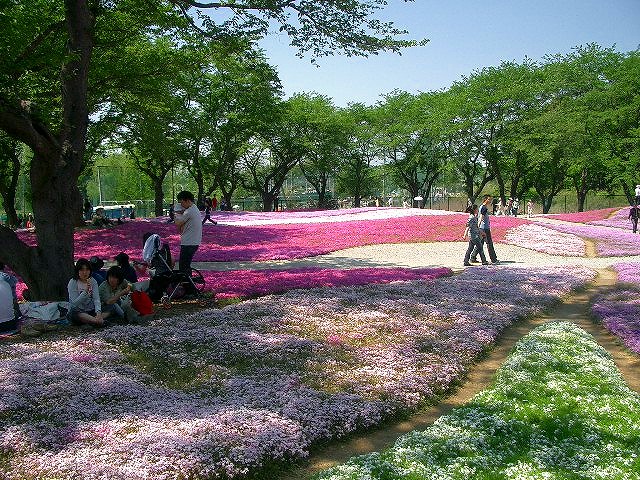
x=97 y=272
x=8 y=302
x=100 y=219
x=113 y=296
x=122 y=259
x=84 y=298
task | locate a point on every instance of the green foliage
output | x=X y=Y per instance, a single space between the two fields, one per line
x=559 y=408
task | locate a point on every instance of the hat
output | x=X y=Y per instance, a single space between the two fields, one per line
x=96 y=263
x=121 y=258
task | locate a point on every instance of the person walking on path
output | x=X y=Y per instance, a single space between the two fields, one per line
x=633 y=216
x=208 y=205
x=475 y=235
x=637 y=195
x=486 y=228
x=190 y=227
x=529 y=209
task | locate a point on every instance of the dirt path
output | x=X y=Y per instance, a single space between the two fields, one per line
x=574 y=309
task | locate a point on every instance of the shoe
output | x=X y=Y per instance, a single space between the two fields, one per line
x=44 y=327
x=486 y=263
x=27 y=331
x=474 y=260
x=497 y=262
x=467 y=264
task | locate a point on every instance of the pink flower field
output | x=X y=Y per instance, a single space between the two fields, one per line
x=583 y=217
x=226 y=393
x=225 y=243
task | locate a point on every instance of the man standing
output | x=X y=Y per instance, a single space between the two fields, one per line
x=190 y=227
x=633 y=216
x=483 y=223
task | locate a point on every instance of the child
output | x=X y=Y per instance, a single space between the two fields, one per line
x=475 y=236
x=84 y=297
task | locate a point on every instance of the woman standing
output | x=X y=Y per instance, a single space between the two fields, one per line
x=84 y=296
x=475 y=236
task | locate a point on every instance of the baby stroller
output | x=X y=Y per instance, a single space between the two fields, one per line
x=166 y=284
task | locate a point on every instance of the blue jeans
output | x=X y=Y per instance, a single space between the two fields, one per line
x=487 y=239
x=475 y=245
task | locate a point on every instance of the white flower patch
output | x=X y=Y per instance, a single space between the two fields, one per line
x=545 y=240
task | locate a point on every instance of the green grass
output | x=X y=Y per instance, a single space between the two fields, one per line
x=558 y=409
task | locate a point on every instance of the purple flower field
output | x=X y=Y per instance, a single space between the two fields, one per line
x=228 y=392
x=619 y=310
x=619 y=219
x=610 y=242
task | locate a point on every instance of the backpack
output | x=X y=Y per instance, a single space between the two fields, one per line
x=141 y=302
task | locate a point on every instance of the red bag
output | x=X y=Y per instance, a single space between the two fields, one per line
x=141 y=302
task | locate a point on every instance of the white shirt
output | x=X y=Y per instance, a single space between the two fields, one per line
x=191 y=226
x=637 y=191
x=6 y=302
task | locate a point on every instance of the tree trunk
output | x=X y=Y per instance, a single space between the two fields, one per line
x=158 y=196
x=55 y=168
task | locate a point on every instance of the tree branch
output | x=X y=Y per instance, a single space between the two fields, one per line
x=20 y=123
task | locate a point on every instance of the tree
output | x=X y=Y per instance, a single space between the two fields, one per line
x=323 y=135
x=355 y=175
x=55 y=67
x=409 y=138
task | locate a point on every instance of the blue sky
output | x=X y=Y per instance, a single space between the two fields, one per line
x=464 y=35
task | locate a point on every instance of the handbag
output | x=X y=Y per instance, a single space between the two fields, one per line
x=141 y=302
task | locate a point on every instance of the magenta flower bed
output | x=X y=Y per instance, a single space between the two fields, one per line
x=253 y=283
x=225 y=243
x=224 y=392
x=583 y=217
x=610 y=242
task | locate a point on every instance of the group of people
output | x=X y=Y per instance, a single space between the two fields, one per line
x=478 y=231
x=511 y=208
x=95 y=295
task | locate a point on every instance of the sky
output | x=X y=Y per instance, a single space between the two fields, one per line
x=464 y=35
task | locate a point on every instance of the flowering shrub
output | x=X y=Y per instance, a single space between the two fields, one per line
x=583 y=217
x=224 y=392
x=610 y=242
x=558 y=409
x=252 y=283
x=546 y=240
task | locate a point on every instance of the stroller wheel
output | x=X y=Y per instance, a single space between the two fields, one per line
x=165 y=301
x=198 y=280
